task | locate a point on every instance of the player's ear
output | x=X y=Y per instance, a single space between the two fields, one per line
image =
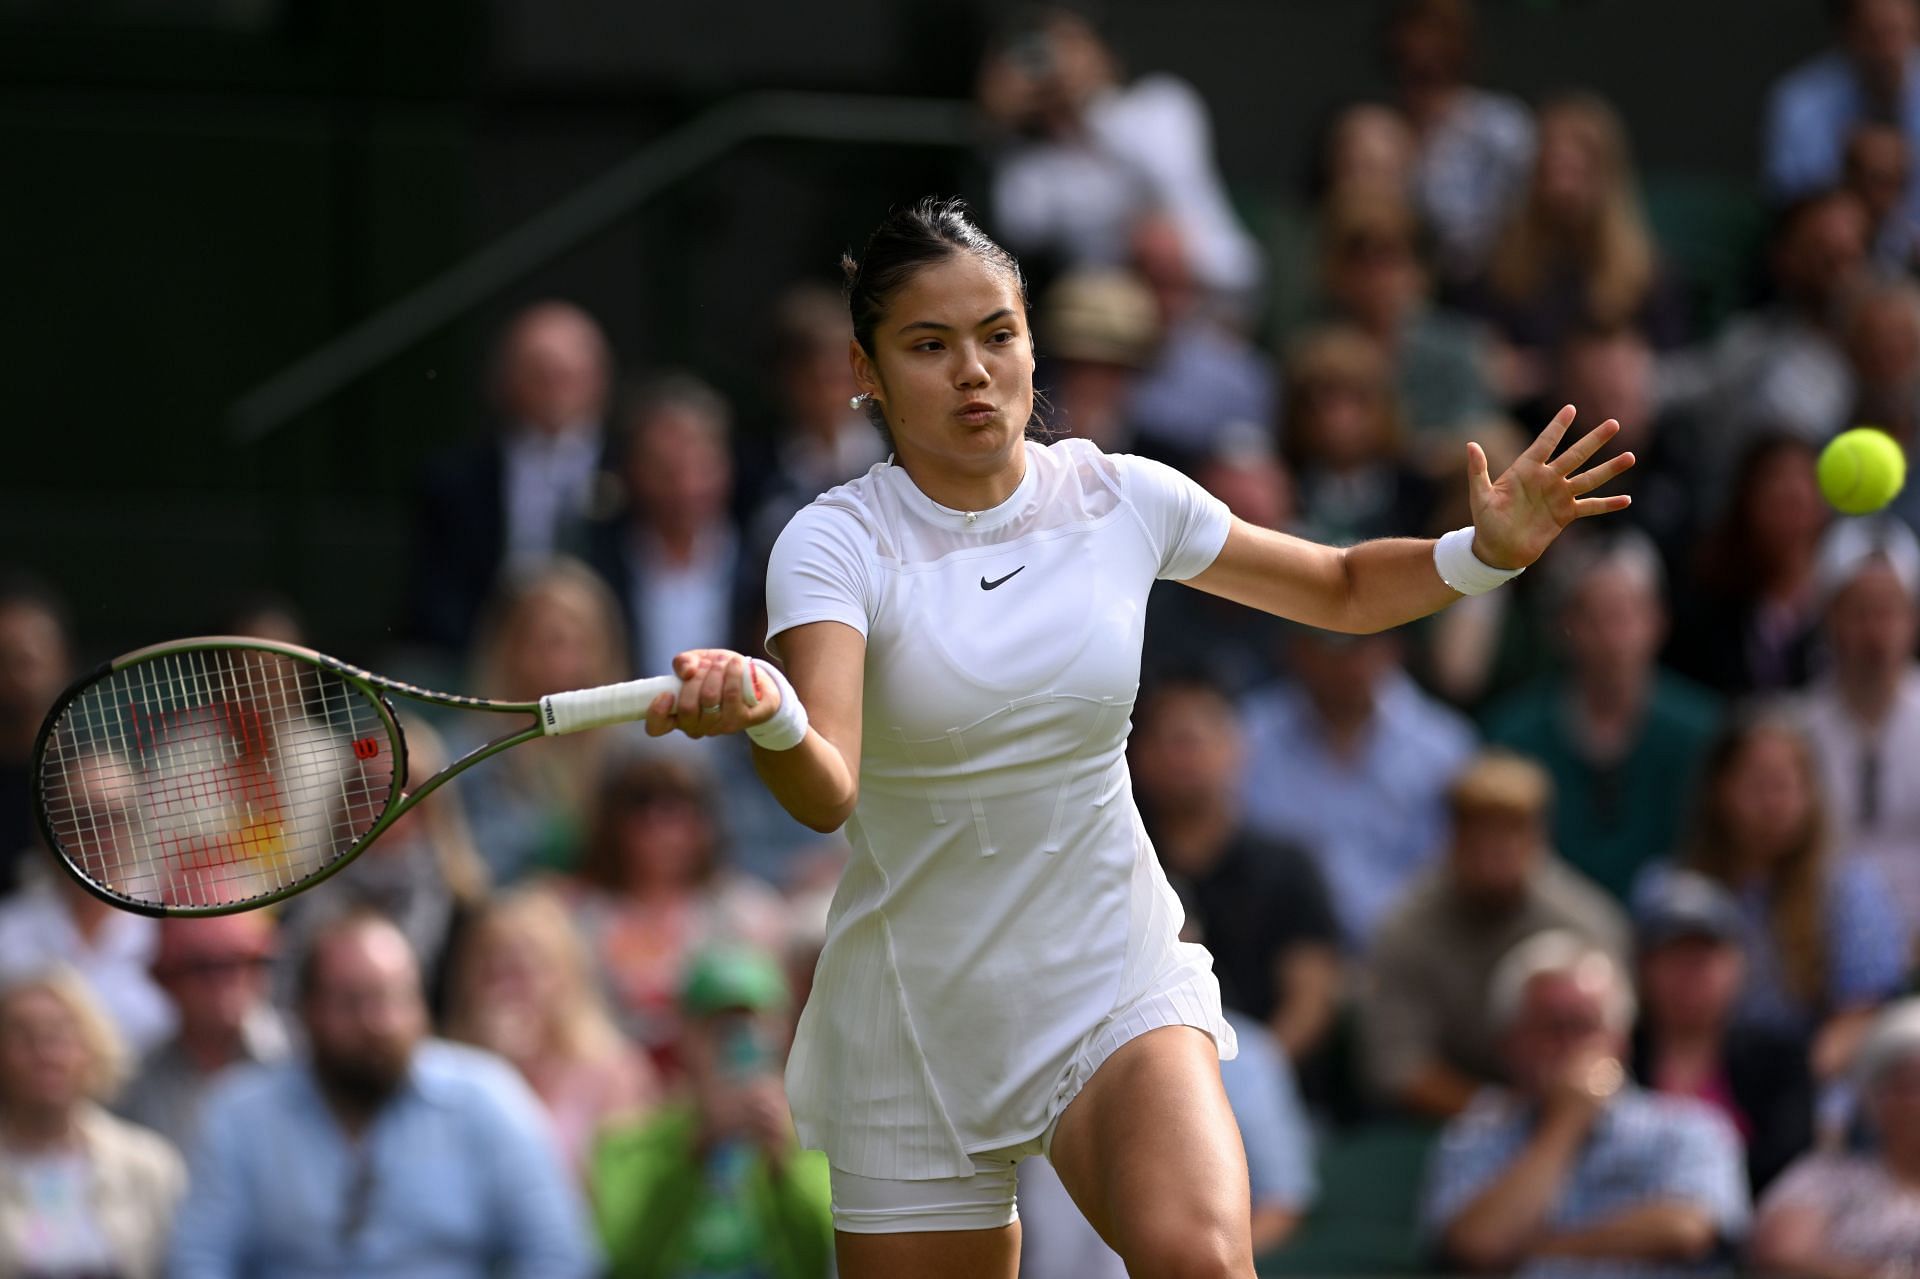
x=865 y=373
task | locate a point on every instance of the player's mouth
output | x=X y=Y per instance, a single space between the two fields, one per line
x=977 y=412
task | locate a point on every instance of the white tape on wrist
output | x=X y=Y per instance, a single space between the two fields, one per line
x=788 y=727
x=1464 y=571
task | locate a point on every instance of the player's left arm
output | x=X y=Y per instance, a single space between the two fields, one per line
x=1380 y=584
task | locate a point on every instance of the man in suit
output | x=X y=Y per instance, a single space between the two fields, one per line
x=526 y=493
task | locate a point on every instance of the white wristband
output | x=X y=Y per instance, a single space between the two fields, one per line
x=788 y=727
x=1464 y=571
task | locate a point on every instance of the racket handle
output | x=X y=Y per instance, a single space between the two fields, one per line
x=608 y=704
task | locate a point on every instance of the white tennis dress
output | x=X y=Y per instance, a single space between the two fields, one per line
x=1003 y=924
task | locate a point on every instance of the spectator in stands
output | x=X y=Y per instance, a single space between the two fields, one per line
x=1099 y=327
x=1238 y=646
x=52 y=920
x=1261 y=904
x=549 y=629
x=1780 y=367
x=1370 y=152
x=1857 y=1215
x=35 y=663
x=1474 y=146
x=1206 y=376
x=718 y=1184
x=1085 y=155
x=817 y=441
x=262 y=614
x=1613 y=372
x=1748 y=615
x=1873 y=74
x=81 y=1192
x=1622 y=738
x=1824 y=941
x=424 y=873
x=1428 y=1034
x=1882 y=338
x=1878 y=169
x=1342 y=439
x=216 y=972
x=1351 y=761
x=526 y=494
x=655 y=886
x=1575 y=1170
x=1373 y=276
x=1578 y=250
x=523 y=988
x=1863 y=714
x=378 y=1151
x=673 y=557
x=1688 y=931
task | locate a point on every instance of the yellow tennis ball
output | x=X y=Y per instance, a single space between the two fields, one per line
x=1861 y=470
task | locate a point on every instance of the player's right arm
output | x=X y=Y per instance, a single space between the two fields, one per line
x=818 y=781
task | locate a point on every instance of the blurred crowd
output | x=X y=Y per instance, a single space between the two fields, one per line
x=1606 y=883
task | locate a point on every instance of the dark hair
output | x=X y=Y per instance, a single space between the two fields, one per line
x=1167 y=685
x=924 y=233
x=640 y=780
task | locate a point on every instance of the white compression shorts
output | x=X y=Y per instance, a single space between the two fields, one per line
x=986 y=1200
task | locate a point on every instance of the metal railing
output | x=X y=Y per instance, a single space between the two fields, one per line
x=589 y=210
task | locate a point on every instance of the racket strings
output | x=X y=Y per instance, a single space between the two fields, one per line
x=214 y=776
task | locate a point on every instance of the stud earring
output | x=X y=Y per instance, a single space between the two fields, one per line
x=859 y=400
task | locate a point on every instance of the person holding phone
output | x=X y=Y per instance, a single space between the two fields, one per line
x=717 y=1186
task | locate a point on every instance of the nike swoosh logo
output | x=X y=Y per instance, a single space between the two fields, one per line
x=985 y=585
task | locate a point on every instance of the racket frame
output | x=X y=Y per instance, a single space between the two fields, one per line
x=375 y=687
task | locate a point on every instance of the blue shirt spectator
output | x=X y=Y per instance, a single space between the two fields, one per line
x=380 y=1155
x=1573 y=1171
x=1874 y=74
x=1353 y=764
x=1273 y=1124
x=1644 y=1148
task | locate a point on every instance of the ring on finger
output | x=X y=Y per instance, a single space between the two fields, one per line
x=710 y=710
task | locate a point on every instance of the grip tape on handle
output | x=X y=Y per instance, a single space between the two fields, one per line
x=608 y=704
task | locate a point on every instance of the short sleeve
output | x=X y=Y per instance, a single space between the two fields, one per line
x=821 y=570
x=1186 y=525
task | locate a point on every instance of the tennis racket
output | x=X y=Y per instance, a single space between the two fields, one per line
x=219 y=774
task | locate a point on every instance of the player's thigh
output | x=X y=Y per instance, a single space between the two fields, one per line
x=1150 y=1152
x=935 y=1254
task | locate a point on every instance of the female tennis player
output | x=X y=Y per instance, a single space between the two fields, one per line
x=960 y=630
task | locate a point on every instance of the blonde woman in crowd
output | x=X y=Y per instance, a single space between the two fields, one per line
x=522 y=987
x=1824 y=944
x=1578 y=251
x=551 y=628
x=81 y=1192
x=654 y=886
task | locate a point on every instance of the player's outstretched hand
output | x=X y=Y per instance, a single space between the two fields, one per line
x=712 y=698
x=1516 y=517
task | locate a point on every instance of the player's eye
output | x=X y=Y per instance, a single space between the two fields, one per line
x=929 y=343
x=1007 y=334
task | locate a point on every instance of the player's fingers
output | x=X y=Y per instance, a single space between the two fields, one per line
x=1479 y=482
x=660 y=715
x=1600 y=505
x=713 y=688
x=733 y=705
x=1589 y=480
x=1548 y=440
x=1585 y=447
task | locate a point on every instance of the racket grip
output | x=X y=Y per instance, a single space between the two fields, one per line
x=609 y=704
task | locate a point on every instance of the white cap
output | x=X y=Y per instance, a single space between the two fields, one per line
x=1851 y=544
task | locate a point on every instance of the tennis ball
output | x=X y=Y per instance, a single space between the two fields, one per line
x=1861 y=470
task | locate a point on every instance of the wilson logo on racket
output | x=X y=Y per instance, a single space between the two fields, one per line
x=366 y=747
